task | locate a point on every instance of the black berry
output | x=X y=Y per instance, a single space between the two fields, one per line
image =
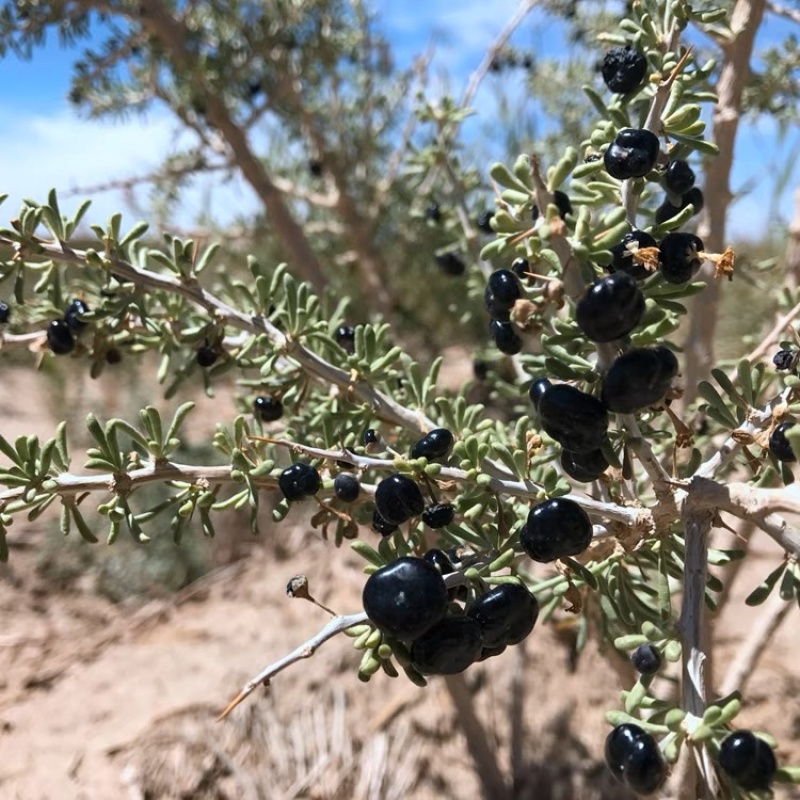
x=678 y=257
x=451 y=264
x=505 y=337
x=748 y=760
x=484 y=221
x=448 y=647
x=346 y=487
x=638 y=378
x=73 y=313
x=520 y=267
x=622 y=254
x=584 y=467
x=666 y=211
x=433 y=212
x=562 y=203
x=434 y=444
x=206 y=355
x=504 y=286
x=299 y=481
x=5 y=312
x=439 y=559
x=370 y=436
x=398 y=498
x=623 y=69
x=556 y=528
x=678 y=177
x=611 y=308
x=59 y=337
x=381 y=526
x=632 y=154
x=506 y=614
x=646 y=659
x=644 y=769
x=576 y=420
x=113 y=356
x=405 y=598
x=779 y=445
x=345 y=337
x=618 y=745
x=537 y=390
x=494 y=308
x=438 y=515
x=784 y=359
x=315 y=167
x=267 y=408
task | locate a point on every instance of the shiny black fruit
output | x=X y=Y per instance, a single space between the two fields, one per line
x=576 y=420
x=206 y=355
x=618 y=745
x=632 y=154
x=448 y=647
x=346 y=487
x=405 y=598
x=73 y=313
x=678 y=258
x=439 y=559
x=494 y=308
x=644 y=769
x=611 y=308
x=623 y=260
x=694 y=198
x=506 y=614
x=646 y=659
x=784 y=359
x=398 y=498
x=747 y=760
x=623 y=69
x=438 y=515
x=556 y=528
x=505 y=337
x=638 y=379
x=584 y=467
x=779 y=445
x=520 y=267
x=434 y=444
x=381 y=526
x=678 y=177
x=562 y=203
x=267 y=408
x=504 y=286
x=537 y=390
x=299 y=481
x=370 y=436
x=59 y=337
x=345 y=337
x=484 y=222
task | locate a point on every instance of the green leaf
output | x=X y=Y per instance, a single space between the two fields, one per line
x=763 y=591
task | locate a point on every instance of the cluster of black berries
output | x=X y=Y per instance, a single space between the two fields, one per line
x=634 y=757
x=61 y=333
x=408 y=600
x=503 y=289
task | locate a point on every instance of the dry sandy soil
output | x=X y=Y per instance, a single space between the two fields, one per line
x=104 y=700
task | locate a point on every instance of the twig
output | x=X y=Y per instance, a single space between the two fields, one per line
x=752 y=648
x=792 y=14
x=306 y=650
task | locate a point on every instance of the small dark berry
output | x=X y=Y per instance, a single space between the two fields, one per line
x=520 y=267
x=346 y=487
x=405 y=598
x=610 y=308
x=638 y=379
x=398 y=498
x=73 y=313
x=576 y=420
x=562 y=203
x=438 y=515
x=506 y=614
x=505 y=337
x=666 y=211
x=632 y=154
x=779 y=445
x=784 y=359
x=439 y=559
x=494 y=308
x=623 y=69
x=646 y=659
x=381 y=526
x=447 y=647
x=345 y=337
x=299 y=481
x=504 y=286
x=748 y=760
x=59 y=337
x=433 y=212
x=537 y=390
x=623 y=260
x=451 y=264
x=584 y=467
x=556 y=528
x=480 y=369
x=678 y=177
x=434 y=444
x=644 y=769
x=678 y=258
x=618 y=745
x=206 y=356
x=113 y=356
x=267 y=408
x=5 y=312
x=370 y=436
x=315 y=167
x=484 y=222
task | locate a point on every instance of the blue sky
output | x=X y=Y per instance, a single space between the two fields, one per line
x=43 y=143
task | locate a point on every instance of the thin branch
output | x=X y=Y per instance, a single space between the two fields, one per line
x=792 y=14
x=335 y=626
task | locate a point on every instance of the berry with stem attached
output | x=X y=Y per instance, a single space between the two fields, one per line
x=268 y=408
x=434 y=444
x=779 y=445
x=556 y=528
x=59 y=337
x=398 y=498
x=679 y=258
x=299 y=481
x=747 y=760
x=623 y=69
x=646 y=659
x=520 y=267
x=505 y=337
x=448 y=647
x=679 y=177
x=346 y=487
x=610 y=308
x=632 y=154
x=625 y=258
x=405 y=598
x=638 y=379
x=506 y=613
x=438 y=515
